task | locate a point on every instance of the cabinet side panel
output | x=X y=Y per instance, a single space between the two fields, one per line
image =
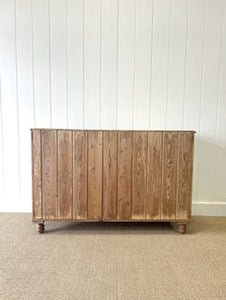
x=110 y=152
x=124 y=175
x=139 y=173
x=49 y=173
x=185 y=169
x=64 y=174
x=154 y=175
x=170 y=158
x=36 y=174
x=94 y=175
x=79 y=175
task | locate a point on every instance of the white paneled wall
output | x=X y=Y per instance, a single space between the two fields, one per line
x=113 y=64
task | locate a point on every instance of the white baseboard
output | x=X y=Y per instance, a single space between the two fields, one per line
x=215 y=209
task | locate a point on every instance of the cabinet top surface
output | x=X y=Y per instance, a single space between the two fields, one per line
x=117 y=130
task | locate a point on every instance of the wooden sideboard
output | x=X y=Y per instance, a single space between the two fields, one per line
x=112 y=176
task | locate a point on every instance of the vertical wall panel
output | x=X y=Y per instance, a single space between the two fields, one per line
x=154 y=175
x=220 y=157
x=193 y=76
x=9 y=105
x=126 y=64
x=2 y=163
x=94 y=175
x=92 y=63
x=41 y=63
x=64 y=171
x=177 y=64
x=58 y=59
x=110 y=174
x=80 y=174
x=117 y=63
x=209 y=104
x=193 y=83
x=109 y=42
x=25 y=93
x=49 y=169
x=124 y=205
x=139 y=175
x=75 y=31
x=142 y=67
x=160 y=62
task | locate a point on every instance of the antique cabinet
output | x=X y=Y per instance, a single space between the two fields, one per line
x=112 y=176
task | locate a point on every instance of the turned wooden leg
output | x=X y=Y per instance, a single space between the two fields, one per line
x=40 y=227
x=181 y=227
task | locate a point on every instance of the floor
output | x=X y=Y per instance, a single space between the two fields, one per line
x=112 y=261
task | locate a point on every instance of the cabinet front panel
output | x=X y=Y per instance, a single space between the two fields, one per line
x=185 y=169
x=80 y=175
x=36 y=174
x=139 y=174
x=154 y=175
x=124 y=204
x=94 y=175
x=110 y=173
x=49 y=174
x=170 y=161
x=64 y=169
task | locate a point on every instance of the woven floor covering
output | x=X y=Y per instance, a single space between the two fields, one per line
x=112 y=260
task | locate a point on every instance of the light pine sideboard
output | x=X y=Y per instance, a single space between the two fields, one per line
x=112 y=176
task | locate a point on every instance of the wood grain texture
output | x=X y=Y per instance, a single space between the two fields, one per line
x=79 y=174
x=124 y=204
x=95 y=175
x=110 y=173
x=64 y=174
x=185 y=169
x=36 y=174
x=49 y=173
x=170 y=157
x=154 y=175
x=139 y=175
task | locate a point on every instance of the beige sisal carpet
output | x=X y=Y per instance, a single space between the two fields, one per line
x=112 y=261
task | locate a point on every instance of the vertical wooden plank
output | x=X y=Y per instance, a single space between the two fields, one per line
x=41 y=63
x=125 y=63
x=92 y=63
x=154 y=175
x=170 y=158
x=109 y=30
x=160 y=59
x=75 y=62
x=80 y=174
x=64 y=174
x=110 y=152
x=94 y=175
x=49 y=174
x=36 y=173
x=185 y=167
x=124 y=204
x=139 y=175
x=58 y=56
